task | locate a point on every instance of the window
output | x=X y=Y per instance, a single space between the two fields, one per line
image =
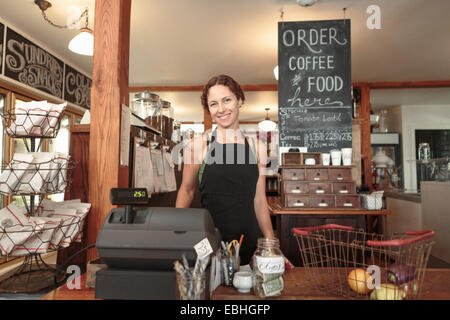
x=9 y=146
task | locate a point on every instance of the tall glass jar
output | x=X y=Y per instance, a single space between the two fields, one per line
x=143 y=102
x=268 y=267
x=167 y=119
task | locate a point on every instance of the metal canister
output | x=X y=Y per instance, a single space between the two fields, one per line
x=424 y=151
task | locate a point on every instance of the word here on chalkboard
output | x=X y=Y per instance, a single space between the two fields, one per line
x=314 y=88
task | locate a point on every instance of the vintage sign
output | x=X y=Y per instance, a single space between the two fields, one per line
x=32 y=65
x=77 y=88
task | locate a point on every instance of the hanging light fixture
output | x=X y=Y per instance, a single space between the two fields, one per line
x=83 y=42
x=275 y=72
x=267 y=125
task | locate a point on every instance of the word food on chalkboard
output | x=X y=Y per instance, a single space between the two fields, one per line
x=314 y=89
x=33 y=66
x=77 y=88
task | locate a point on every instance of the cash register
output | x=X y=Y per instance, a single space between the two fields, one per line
x=139 y=245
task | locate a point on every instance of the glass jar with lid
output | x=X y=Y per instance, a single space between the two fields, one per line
x=268 y=268
x=144 y=104
x=167 y=114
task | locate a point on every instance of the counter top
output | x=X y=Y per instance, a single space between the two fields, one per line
x=436 y=286
x=402 y=195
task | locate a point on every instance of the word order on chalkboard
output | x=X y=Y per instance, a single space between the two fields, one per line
x=314 y=88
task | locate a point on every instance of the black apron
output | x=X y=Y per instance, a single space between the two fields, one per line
x=228 y=191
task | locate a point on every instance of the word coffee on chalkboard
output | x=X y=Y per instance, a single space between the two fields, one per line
x=33 y=66
x=314 y=87
x=77 y=88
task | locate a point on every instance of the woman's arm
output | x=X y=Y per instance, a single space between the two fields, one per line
x=189 y=180
x=262 y=209
x=260 y=203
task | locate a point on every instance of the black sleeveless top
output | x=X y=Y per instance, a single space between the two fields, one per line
x=228 y=179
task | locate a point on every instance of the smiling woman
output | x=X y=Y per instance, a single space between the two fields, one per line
x=228 y=170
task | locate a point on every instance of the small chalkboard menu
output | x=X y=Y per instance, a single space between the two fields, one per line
x=314 y=86
x=33 y=66
x=77 y=88
x=2 y=30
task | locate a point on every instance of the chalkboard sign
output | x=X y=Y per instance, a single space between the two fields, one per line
x=2 y=30
x=33 y=66
x=314 y=87
x=77 y=88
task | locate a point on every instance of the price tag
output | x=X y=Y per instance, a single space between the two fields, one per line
x=203 y=248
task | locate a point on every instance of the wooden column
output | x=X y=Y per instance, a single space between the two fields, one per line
x=207 y=120
x=364 y=114
x=109 y=90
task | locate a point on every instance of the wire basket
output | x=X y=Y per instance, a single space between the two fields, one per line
x=33 y=123
x=353 y=264
x=41 y=235
x=24 y=178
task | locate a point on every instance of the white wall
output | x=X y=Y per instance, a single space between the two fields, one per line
x=414 y=118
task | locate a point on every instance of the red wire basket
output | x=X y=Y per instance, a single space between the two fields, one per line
x=354 y=264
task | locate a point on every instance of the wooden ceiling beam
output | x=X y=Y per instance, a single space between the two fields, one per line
x=274 y=87
x=246 y=87
x=405 y=84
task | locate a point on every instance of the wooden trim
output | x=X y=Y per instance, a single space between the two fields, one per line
x=405 y=84
x=83 y=128
x=274 y=87
x=246 y=87
x=109 y=91
x=23 y=92
x=207 y=120
x=364 y=114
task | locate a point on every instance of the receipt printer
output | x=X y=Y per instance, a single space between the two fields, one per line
x=139 y=245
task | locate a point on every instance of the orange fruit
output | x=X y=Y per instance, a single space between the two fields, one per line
x=357 y=280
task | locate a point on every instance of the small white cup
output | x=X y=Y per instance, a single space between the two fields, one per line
x=243 y=281
x=346 y=156
x=335 y=157
x=326 y=159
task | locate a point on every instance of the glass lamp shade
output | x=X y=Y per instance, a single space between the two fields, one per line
x=275 y=72
x=83 y=43
x=267 y=125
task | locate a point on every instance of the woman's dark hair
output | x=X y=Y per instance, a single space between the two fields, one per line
x=225 y=81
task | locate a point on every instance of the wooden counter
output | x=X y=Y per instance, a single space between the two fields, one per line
x=436 y=286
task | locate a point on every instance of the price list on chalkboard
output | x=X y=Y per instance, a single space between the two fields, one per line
x=2 y=30
x=314 y=87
